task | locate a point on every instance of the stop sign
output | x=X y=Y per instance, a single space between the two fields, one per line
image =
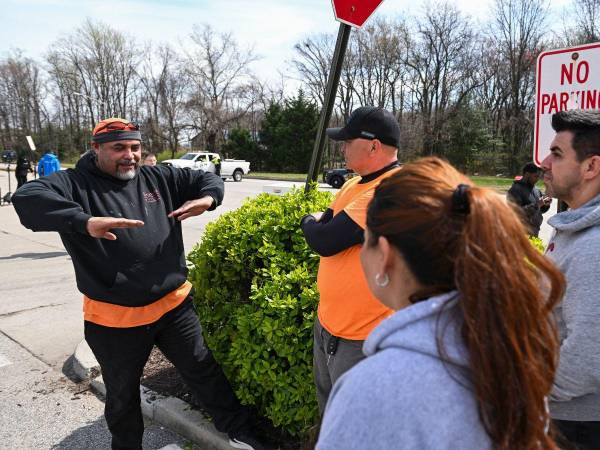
x=354 y=12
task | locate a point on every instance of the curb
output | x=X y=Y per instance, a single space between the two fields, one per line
x=170 y=412
x=85 y=365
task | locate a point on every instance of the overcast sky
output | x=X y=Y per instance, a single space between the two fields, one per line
x=271 y=26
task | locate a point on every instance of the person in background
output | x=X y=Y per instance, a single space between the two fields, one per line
x=524 y=193
x=48 y=164
x=572 y=174
x=347 y=310
x=468 y=358
x=22 y=169
x=217 y=163
x=149 y=159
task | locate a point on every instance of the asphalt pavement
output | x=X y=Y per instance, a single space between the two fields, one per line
x=43 y=409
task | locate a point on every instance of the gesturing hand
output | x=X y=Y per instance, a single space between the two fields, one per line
x=99 y=227
x=192 y=208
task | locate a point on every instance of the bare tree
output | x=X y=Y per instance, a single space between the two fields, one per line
x=22 y=95
x=442 y=63
x=103 y=62
x=313 y=63
x=517 y=36
x=221 y=80
x=583 y=26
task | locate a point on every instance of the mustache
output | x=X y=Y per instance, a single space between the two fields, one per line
x=126 y=162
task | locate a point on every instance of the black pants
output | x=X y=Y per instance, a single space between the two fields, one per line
x=578 y=435
x=122 y=354
x=21 y=180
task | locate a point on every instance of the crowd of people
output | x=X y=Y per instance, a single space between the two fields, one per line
x=439 y=325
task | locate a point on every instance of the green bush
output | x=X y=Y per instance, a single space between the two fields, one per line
x=537 y=243
x=256 y=296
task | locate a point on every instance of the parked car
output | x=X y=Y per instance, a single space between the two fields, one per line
x=9 y=156
x=234 y=168
x=337 y=177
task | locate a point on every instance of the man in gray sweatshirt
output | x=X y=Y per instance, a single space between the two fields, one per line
x=572 y=174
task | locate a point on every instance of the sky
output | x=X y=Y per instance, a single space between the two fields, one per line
x=271 y=27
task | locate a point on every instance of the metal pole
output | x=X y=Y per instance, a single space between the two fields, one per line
x=330 y=94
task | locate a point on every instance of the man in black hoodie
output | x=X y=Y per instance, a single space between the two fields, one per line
x=121 y=224
x=524 y=193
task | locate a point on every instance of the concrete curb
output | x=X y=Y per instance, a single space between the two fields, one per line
x=170 y=412
x=85 y=365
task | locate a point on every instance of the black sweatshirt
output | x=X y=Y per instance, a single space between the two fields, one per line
x=143 y=264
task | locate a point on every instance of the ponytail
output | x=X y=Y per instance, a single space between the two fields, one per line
x=508 y=327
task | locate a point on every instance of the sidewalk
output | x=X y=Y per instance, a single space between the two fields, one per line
x=43 y=409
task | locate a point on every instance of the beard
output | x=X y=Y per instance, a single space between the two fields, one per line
x=129 y=174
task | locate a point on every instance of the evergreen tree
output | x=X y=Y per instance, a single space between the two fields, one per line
x=288 y=134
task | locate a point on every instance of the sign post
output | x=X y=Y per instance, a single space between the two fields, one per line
x=566 y=79
x=350 y=13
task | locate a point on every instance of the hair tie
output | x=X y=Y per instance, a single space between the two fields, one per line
x=460 y=201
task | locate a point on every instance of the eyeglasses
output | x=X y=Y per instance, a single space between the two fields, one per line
x=117 y=125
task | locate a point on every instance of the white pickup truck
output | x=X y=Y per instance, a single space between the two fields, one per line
x=234 y=168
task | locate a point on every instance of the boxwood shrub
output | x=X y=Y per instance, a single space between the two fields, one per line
x=255 y=292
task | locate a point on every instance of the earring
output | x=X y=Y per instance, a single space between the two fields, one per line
x=382 y=281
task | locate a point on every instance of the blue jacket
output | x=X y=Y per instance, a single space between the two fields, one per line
x=48 y=164
x=403 y=396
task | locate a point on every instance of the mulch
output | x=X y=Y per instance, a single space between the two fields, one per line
x=162 y=377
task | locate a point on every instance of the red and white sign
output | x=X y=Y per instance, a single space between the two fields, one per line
x=354 y=12
x=566 y=79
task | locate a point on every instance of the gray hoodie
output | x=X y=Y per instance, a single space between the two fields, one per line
x=402 y=396
x=575 y=248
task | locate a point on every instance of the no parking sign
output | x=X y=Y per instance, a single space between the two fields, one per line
x=566 y=79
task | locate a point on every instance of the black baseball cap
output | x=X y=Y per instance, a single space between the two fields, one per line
x=369 y=122
x=531 y=168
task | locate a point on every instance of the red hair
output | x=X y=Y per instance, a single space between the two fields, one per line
x=480 y=248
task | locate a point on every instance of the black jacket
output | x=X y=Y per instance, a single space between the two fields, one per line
x=143 y=264
x=527 y=196
x=23 y=167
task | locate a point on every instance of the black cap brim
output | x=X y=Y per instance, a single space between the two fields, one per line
x=337 y=134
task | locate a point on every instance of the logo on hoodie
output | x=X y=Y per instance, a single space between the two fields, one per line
x=152 y=197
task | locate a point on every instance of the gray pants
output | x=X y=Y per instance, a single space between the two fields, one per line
x=328 y=368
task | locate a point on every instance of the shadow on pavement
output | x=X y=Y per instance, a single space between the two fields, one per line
x=42 y=255
x=95 y=436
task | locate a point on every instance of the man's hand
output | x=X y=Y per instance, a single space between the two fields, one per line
x=317 y=215
x=192 y=208
x=544 y=201
x=99 y=227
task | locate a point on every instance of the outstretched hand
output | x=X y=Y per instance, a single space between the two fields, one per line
x=99 y=227
x=192 y=208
